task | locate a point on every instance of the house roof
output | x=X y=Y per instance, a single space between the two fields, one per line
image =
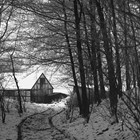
x=25 y=81
x=45 y=78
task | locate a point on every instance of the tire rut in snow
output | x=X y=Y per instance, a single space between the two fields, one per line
x=19 y=126
x=38 y=127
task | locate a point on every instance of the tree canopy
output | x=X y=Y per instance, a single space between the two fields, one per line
x=95 y=43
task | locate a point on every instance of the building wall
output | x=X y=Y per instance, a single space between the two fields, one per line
x=13 y=94
x=40 y=96
x=41 y=90
x=38 y=93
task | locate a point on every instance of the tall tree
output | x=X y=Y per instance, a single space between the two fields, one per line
x=94 y=50
x=127 y=67
x=20 y=109
x=85 y=105
x=108 y=52
x=118 y=67
x=71 y=59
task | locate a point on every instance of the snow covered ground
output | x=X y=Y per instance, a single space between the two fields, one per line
x=98 y=128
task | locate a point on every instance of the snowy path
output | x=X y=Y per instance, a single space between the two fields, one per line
x=45 y=122
x=38 y=127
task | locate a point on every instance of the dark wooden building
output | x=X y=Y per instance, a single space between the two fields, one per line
x=41 y=90
x=38 y=93
x=13 y=94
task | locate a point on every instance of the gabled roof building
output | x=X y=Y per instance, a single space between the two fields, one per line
x=39 y=92
x=41 y=89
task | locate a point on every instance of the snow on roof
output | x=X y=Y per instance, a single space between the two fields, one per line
x=27 y=79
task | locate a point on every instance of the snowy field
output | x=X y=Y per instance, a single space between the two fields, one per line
x=98 y=128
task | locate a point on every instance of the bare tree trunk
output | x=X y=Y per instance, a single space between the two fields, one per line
x=137 y=63
x=127 y=68
x=101 y=79
x=19 y=94
x=2 y=105
x=118 y=68
x=111 y=73
x=93 y=58
x=89 y=55
x=85 y=105
x=71 y=59
x=92 y=52
x=2 y=95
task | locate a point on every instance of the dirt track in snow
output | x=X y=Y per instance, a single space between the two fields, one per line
x=40 y=127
